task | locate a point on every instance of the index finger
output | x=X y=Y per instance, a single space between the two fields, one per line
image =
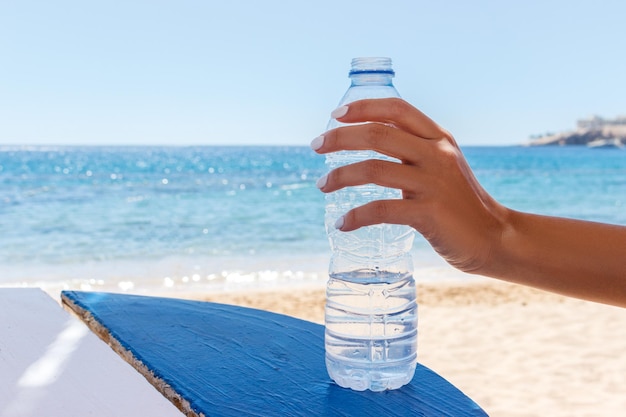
x=393 y=111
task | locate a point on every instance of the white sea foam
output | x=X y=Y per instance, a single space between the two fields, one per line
x=187 y=274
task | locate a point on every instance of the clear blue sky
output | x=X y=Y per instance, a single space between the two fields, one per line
x=269 y=72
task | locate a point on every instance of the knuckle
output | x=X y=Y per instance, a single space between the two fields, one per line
x=397 y=105
x=380 y=210
x=373 y=170
x=350 y=220
x=372 y=213
x=376 y=134
x=335 y=178
x=331 y=138
x=447 y=153
x=448 y=136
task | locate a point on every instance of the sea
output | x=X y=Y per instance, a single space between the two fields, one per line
x=156 y=219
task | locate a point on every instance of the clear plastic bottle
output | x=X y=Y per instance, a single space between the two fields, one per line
x=371 y=309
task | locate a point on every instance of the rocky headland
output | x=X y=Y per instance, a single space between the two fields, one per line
x=593 y=132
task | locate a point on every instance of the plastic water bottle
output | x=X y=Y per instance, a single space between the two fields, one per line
x=371 y=311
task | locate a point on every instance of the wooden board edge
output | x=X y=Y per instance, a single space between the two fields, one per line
x=102 y=332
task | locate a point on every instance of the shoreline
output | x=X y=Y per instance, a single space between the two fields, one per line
x=191 y=274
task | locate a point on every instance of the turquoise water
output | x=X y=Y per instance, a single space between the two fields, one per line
x=144 y=218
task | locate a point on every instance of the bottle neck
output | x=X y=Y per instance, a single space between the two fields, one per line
x=371 y=78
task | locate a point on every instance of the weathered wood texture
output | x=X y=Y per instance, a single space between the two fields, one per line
x=52 y=365
x=219 y=360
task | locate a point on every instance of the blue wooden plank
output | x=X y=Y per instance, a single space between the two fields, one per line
x=232 y=361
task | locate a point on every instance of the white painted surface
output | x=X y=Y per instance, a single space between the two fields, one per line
x=52 y=365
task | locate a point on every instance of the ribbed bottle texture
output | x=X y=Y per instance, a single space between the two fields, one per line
x=371 y=312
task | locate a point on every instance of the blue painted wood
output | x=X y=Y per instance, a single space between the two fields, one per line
x=235 y=361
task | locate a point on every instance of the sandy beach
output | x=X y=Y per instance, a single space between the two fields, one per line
x=516 y=351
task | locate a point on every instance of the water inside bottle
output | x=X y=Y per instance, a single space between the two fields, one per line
x=371 y=330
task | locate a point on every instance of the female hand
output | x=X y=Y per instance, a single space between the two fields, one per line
x=441 y=199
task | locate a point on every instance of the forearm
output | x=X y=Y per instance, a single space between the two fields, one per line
x=572 y=257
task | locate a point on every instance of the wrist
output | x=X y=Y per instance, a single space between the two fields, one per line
x=504 y=256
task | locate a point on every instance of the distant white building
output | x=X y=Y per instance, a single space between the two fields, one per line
x=597 y=122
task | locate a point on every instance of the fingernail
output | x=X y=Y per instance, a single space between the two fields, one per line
x=339 y=223
x=322 y=182
x=339 y=112
x=317 y=142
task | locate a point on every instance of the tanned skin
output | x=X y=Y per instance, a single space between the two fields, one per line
x=444 y=202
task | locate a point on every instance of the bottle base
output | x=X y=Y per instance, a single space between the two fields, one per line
x=375 y=377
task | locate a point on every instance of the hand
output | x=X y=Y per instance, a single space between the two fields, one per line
x=442 y=199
